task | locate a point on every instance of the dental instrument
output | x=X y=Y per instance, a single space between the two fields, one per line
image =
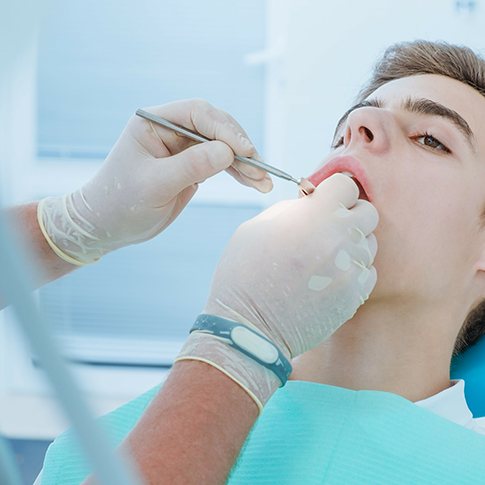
x=16 y=288
x=9 y=473
x=305 y=186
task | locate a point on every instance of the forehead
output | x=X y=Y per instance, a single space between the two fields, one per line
x=460 y=97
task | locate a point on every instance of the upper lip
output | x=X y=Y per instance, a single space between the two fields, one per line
x=343 y=163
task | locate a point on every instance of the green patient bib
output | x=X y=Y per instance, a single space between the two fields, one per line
x=313 y=434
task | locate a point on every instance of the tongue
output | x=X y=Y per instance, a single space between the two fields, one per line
x=362 y=194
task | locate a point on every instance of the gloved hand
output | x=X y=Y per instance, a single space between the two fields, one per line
x=295 y=273
x=147 y=179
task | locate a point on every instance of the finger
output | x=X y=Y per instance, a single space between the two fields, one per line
x=364 y=249
x=372 y=244
x=246 y=170
x=361 y=255
x=263 y=186
x=337 y=190
x=249 y=171
x=215 y=124
x=194 y=165
x=219 y=125
x=365 y=216
x=200 y=116
x=367 y=280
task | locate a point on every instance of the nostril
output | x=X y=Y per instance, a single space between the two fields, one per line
x=367 y=133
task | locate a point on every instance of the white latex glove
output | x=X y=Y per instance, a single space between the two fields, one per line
x=295 y=273
x=147 y=179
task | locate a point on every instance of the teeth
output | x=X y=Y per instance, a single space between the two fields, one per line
x=348 y=173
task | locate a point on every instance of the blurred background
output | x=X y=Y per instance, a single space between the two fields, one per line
x=71 y=75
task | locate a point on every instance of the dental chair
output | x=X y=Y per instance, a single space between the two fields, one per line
x=470 y=366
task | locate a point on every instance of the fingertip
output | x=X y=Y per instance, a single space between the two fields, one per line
x=265 y=185
x=230 y=132
x=371 y=208
x=251 y=172
x=247 y=147
x=367 y=216
x=348 y=186
x=219 y=153
x=341 y=188
x=372 y=243
x=370 y=282
x=373 y=278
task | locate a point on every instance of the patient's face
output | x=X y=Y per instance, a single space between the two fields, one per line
x=427 y=180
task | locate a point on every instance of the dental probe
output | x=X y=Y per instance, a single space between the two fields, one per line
x=306 y=187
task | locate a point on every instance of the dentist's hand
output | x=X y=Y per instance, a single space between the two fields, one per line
x=295 y=273
x=147 y=179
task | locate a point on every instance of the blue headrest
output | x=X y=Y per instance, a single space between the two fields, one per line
x=470 y=366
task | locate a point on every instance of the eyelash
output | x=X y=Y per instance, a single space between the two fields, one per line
x=444 y=148
x=337 y=143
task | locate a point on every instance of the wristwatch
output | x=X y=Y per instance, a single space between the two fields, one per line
x=248 y=341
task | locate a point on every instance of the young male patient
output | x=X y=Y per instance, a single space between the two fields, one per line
x=415 y=143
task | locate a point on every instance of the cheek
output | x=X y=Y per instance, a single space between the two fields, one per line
x=441 y=221
x=421 y=237
x=426 y=210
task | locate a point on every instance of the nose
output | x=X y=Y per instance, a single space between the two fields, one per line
x=369 y=128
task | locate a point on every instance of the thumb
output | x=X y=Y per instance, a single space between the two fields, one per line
x=339 y=189
x=195 y=164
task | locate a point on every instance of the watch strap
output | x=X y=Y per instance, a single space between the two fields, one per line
x=248 y=341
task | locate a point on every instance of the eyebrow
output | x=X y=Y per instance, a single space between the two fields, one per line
x=421 y=106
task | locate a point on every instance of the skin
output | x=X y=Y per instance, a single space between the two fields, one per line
x=171 y=447
x=401 y=340
x=50 y=266
x=197 y=400
x=431 y=258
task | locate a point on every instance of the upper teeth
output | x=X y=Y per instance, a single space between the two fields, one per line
x=348 y=173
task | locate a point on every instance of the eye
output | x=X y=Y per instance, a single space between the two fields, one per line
x=337 y=143
x=430 y=141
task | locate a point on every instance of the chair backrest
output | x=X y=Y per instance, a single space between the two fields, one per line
x=470 y=366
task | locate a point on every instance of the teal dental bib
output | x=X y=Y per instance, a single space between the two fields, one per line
x=314 y=434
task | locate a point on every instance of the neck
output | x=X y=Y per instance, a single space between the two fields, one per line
x=406 y=352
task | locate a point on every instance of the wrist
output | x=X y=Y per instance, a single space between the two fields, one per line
x=247 y=340
x=65 y=223
x=218 y=308
x=258 y=381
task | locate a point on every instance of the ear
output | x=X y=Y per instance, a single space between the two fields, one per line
x=480 y=263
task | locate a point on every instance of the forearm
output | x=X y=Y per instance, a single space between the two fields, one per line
x=194 y=429
x=49 y=264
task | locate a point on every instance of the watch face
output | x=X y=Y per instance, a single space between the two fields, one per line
x=247 y=341
x=255 y=344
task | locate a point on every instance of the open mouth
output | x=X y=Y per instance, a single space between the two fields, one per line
x=346 y=165
x=362 y=192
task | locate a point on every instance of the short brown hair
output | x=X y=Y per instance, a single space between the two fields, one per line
x=457 y=62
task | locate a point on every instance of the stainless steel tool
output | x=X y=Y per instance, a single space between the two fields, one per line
x=305 y=186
